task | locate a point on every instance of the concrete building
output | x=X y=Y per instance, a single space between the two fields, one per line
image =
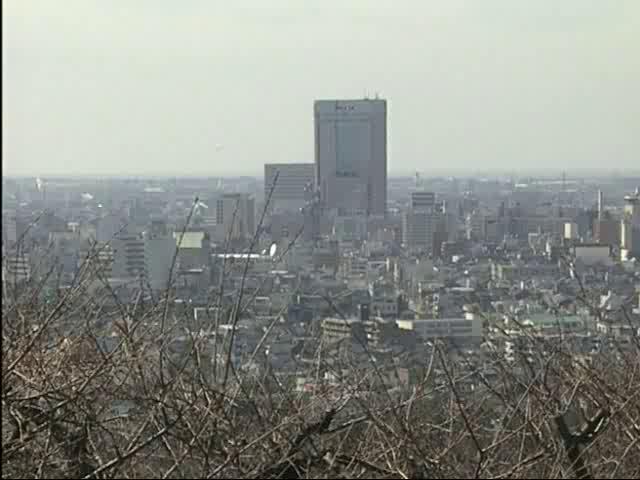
x=108 y=226
x=13 y=227
x=351 y=154
x=607 y=231
x=353 y=227
x=289 y=193
x=103 y=261
x=525 y=201
x=160 y=248
x=571 y=231
x=385 y=306
x=235 y=214
x=193 y=249
x=629 y=239
x=459 y=330
x=128 y=255
x=335 y=329
x=632 y=207
x=592 y=253
x=630 y=226
x=493 y=228
x=67 y=253
x=326 y=256
x=423 y=201
x=16 y=267
x=355 y=266
x=364 y=329
x=473 y=225
x=419 y=230
x=285 y=225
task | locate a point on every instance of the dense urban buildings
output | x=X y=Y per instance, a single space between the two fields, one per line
x=464 y=267
x=335 y=257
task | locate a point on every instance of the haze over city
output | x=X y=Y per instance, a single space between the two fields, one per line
x=210 y=88
x=303 y=239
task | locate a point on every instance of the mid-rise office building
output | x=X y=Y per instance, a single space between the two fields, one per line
x=290 y=190
x=423 y=231
x=463 y=331
x=235 y=213
x=607 y=231
x=16 y=267
x=128 y=254
x=351 y=154
x=160 y=249
x=423 y=201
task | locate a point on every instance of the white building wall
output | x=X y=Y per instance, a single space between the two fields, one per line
x=571 y=231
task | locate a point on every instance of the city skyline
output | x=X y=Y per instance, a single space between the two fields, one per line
x=170 y=91
x=337 y=239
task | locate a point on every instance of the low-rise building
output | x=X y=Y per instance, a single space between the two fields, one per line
x=463 y=330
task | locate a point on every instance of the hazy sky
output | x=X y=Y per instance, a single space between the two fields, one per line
x=215 y=87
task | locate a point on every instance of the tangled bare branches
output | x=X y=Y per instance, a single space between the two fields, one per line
x=82 y=398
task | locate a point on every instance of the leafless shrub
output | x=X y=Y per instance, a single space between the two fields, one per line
x=85 y=400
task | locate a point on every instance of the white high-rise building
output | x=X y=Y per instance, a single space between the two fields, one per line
x=289 y=192
x=351 y=154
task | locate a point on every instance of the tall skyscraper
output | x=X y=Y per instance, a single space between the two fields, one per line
x=351 y=154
